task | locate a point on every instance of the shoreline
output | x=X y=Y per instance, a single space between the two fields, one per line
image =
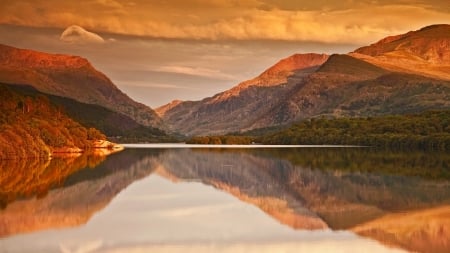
x=99 y=148
x=184 y=145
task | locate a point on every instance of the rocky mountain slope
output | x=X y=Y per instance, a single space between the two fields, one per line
x=400 y=74
x=69 y=76
x=425 y=52
x=241 y=106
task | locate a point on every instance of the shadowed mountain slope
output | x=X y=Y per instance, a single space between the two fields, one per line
x=69 y=76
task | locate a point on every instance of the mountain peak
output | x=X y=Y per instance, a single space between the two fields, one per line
x=424 y=52
x=278 y=73
x=296 y=62
x=431 y=43
x=72 y=77
x=16 y=57
x=348 y=65
x=163 y=109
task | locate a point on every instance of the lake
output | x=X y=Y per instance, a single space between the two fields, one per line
x=166 y=198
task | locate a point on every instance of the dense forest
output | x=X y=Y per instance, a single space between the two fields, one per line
x=31 y=126
x=217 y=140
x=426 y=131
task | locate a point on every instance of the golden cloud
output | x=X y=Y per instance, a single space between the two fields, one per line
x=226 y=19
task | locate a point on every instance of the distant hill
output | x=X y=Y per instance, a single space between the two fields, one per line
x=72 y=77
x=400 y=74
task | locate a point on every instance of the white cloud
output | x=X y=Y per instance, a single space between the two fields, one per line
x=84 y=248
x=196 y=71
x=77 y=34
x=144 y=84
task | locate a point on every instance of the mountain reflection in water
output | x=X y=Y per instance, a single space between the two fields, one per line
x=400 y=199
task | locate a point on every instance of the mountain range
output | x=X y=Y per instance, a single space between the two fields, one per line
x=400 y=74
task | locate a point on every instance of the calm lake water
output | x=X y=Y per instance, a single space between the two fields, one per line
x=179 y=199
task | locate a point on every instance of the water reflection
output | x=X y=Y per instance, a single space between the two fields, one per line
x=25 y=178
x=399 y=199
x=342 y=188
x=75 y=189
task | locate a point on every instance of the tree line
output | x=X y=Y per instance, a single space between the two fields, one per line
x=426 y=131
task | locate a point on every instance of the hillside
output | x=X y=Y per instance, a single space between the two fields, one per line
x=69 y=76
x=427 y=131
x=116 y=126
x=425 y=52
x=33 y=127
x=239 y=107
x=398 y=75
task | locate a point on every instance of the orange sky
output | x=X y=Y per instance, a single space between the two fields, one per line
x=161 y=50
x=327 y=21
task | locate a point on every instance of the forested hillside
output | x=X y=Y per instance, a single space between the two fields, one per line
x=33 y=127
x=428 y=130
x=116 y=126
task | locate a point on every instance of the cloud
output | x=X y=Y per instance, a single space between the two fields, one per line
x=77 y=34
x=192 y=211
x=196 y=71
x=143 y=84
x=358 y=22
x=84 y=248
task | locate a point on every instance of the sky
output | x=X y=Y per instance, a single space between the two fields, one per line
x=161 y=50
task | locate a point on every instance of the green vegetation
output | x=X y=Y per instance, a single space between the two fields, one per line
x=225 y=139
x=33 y=127
x=427 y=131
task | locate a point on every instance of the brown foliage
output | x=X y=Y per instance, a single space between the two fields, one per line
x=33 y=127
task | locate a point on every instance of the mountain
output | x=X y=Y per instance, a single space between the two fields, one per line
x=424 y=52
x=69 y=76
x=401 y=74
x=116 y=126
x=239 y=107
